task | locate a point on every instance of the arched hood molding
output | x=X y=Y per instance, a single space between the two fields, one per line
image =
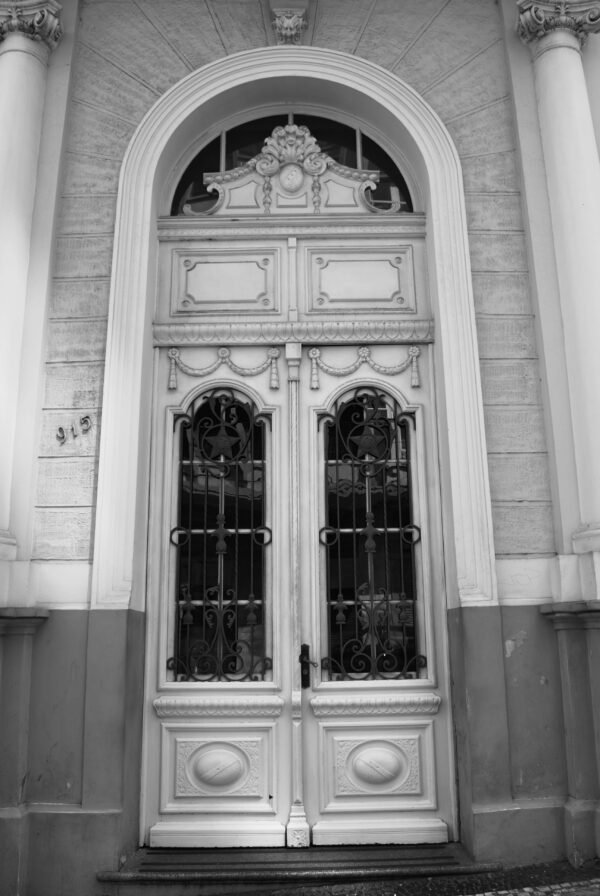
x=384 y=103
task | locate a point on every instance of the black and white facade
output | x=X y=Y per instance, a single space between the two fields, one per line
x=300 y=516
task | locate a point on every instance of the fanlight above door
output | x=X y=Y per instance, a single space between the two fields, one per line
x=291 y=175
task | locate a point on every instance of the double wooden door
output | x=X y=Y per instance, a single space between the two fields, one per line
x=297 y=689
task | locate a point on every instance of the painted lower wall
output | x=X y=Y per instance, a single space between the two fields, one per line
x=75 y=811
x=511 y=773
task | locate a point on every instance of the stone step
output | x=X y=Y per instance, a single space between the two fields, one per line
x=227 y=872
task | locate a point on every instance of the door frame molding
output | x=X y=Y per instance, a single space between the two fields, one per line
x=387 y=106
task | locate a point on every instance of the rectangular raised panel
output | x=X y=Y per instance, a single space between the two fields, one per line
x=345 y=278
x=330 y=832
x=226 y=280
x=373 y=767
x=222 y=769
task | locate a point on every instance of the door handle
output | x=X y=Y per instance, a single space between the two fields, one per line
x=305 y=664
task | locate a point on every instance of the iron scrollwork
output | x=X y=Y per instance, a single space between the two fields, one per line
x=220 y=538
x=369 y=540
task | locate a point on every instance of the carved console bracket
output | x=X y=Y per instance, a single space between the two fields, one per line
x=537 y=18
x=363 y=356
x=39 y=21
x=224 y=357
x=289 y=22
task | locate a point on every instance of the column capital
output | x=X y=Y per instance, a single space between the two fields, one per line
x=537 y=18
x=38 y=20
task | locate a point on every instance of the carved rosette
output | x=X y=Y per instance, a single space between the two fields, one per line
x=289 y=25
x=537 y=18
x=39 y=21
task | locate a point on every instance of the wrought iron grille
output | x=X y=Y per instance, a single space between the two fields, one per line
x=369 y=540
x=221 y=541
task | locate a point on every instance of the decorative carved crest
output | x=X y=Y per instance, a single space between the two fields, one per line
x=289 y=25
x=539 y=17
x=292 y=176
x=39 y=21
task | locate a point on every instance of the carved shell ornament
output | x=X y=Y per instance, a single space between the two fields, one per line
x=291 y=175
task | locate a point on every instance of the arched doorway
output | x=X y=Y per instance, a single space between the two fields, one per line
x=338 y=805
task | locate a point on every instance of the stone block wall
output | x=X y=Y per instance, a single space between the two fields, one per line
x=453 y=54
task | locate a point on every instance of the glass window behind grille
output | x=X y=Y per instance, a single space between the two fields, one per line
x=221 y=540
x=369 y=538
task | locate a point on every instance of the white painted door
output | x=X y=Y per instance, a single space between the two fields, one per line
x=299 y=500
x=374 y=707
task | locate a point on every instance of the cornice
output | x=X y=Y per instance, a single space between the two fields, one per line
x=334 y=332
x=38 y=21
x=537 y=18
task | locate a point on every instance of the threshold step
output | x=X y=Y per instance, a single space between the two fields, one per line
x=232 y=871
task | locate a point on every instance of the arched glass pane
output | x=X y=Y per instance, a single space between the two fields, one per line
x=238 y=145
x=368 y=539
x=221 y=541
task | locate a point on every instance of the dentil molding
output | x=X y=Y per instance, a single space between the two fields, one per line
x=536 y=18
x=39 y=21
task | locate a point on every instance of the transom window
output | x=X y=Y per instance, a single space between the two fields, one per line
x=236 y=146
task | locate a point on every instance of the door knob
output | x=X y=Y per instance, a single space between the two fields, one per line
x=305 y=664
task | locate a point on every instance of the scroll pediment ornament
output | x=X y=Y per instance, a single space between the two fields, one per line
x=38 y=20
x=537 y=18
x=291 y=175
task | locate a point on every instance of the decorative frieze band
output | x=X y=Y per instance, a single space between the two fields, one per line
x=39 y=21
x=223 y=357
x=540 y=17
x=400 y=704
x=334 y=332
x=168 y=707
x=363 y=356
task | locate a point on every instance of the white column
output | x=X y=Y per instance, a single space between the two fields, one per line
x=28 y=31
x=556 y=33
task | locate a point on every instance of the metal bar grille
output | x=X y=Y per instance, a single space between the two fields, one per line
x=221 y=541
x=369 y=539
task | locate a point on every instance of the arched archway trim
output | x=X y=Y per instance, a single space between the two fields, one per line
x=388 y=105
